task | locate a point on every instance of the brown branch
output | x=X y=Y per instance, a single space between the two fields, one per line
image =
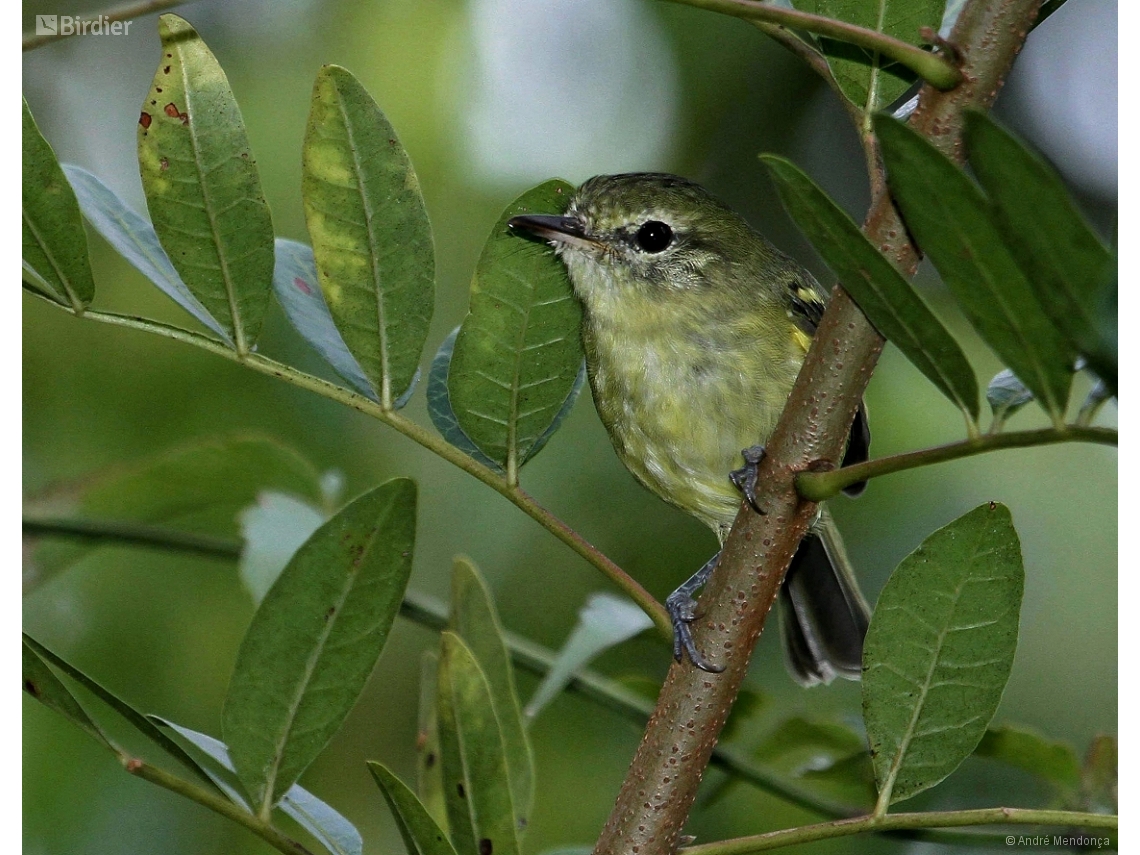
x=662 y=781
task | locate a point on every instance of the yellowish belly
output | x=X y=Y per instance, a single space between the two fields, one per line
x=679 y=410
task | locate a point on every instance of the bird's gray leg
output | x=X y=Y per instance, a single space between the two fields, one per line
x=682 y=608
x=745 y=477
x=681 y=605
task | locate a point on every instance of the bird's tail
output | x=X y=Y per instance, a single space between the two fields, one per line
x=823 y=618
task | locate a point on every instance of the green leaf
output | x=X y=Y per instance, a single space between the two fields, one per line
x=519 y=350
x=198 y=488
x=335 y=833
x=951 y=220
x=1065 y=262
x=202 y=186
x=869 y=80
x=1006 y=395
x=604 y=622
x=888 y=300
x=1031 y=752
x=422 y=836
x=315 y=639
x=370 y=231
x=137 y=720
x=474 y=619
x=441 y=412
x=272 y=531
x=939 y=650
x=135 y=240
x=41 y=683
x=54 y=243
x=296 y=285
x=477 y=783
x=429 y=776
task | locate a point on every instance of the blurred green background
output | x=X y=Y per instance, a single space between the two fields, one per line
x=490 y=97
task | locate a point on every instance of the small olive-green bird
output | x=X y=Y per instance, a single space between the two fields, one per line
x=694 y=328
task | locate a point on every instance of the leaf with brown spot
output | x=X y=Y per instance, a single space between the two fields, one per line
x=206 y=202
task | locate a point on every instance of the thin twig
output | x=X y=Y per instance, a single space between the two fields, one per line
x=130 y=533
x=818 y=486
x=930 y=67
x=926 y=819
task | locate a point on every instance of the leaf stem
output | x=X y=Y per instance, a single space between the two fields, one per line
x=122 y=12
x=930 y=67
x=900 y=821
x=818 y=486
x=415 y=432
x=216 y=803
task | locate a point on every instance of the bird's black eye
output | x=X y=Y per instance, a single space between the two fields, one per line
x=654 y=236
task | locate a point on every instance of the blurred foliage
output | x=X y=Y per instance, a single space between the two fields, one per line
x=679 y=90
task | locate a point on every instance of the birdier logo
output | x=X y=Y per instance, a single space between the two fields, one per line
x=73 y=25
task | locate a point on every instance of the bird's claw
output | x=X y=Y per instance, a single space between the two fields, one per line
x=745 y=477
x=682 y=608
x=683 y=614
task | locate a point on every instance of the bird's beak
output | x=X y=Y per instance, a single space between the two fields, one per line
x=557 y=230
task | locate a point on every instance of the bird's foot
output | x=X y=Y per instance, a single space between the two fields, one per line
x=682 y=608
x=745 y=477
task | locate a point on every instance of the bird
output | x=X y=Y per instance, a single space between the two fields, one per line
x=694 y=328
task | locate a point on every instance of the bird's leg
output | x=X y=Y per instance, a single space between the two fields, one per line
x=745 y=477
x=682 y=609
x=681 y=605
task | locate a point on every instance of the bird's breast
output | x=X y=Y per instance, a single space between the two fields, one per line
x=680 y=401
